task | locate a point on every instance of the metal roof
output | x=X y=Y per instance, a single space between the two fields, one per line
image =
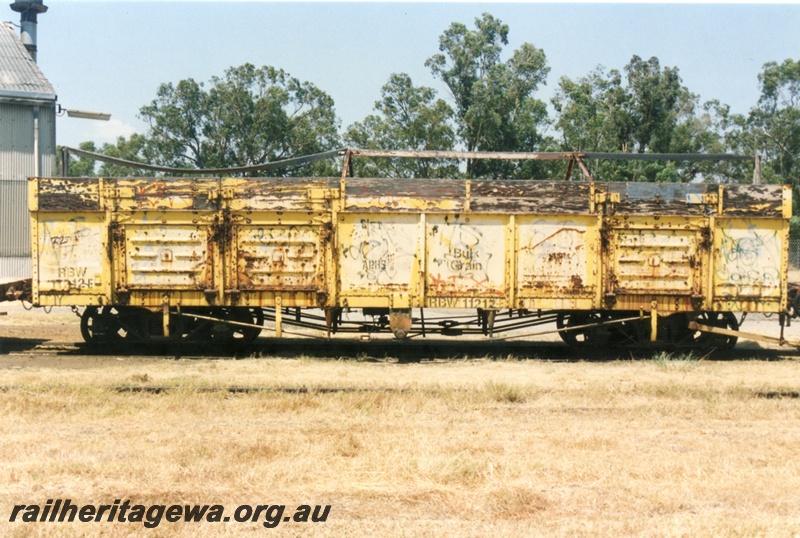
x=20 y=77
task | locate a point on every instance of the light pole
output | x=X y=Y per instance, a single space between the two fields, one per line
x=75 y=113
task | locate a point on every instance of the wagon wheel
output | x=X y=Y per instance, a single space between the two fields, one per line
x=723 y=320
x=254 y=316
x=91 y=325
x=579 y=337
x=111 y=324
x=236 y=335
x=126 y=324
x=620 y=334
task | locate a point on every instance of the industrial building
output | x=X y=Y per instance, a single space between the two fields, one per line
x=27 y=135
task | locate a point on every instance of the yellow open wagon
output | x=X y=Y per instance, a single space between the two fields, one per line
x=156 y=258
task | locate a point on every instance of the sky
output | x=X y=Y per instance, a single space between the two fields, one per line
x=112 y=56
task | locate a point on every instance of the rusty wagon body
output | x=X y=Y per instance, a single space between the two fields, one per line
x=174 y=257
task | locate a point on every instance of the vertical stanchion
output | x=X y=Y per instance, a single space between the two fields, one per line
x=165 y=311
x=653 y=321
x=278 y=317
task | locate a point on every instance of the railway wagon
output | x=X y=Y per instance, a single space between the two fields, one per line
x=193 y=259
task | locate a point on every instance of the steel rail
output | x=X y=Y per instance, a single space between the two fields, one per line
x=296 y=161
x=544 y=155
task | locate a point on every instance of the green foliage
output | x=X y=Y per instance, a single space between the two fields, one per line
x=772 y=129
x=253 y=115
x=495 y=107
x=249 y=116
x=656 y=97
x=794 y=222
x=775 y=125
x=129 y=149
x=599 y=112
x=79 y=166
x=646 y=110
x=676 y=361
x=408 y=118
x=774 y=122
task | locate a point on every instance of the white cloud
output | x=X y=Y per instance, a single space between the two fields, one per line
x=110 y=130
x=72 y=131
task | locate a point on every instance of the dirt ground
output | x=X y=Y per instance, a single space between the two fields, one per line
x=58 y=324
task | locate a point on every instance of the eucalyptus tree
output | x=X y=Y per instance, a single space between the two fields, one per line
x=774 y=122
x=642 y=109
x=407 y=117
x=248 y=116
x=133 y=148
x=493 y=99
x=772 y=129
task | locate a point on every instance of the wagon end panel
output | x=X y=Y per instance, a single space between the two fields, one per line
x=750 y=264
x=69 y=242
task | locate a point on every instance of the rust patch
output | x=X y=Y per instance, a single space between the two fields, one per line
x=400 y=323
x=576 y=282
x=322 y=299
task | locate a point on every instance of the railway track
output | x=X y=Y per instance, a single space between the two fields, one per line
x=240 y=389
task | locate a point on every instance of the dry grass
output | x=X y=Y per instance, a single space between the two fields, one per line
x=672 y=447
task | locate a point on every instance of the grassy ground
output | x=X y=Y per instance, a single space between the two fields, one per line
x=669 y=447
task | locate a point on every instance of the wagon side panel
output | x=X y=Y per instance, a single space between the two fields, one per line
x=557 y=261
x=467 y=261
x=660 y=259
x=378 y=258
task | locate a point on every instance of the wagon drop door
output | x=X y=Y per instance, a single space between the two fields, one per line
x=164 y=254
x=281 y=257
x=654 y=258
x=277 y=241
x=162 y=235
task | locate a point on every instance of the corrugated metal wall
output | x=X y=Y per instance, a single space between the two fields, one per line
x=15 y=241
x=17 y=163
x=16 y=268
x=16 y=141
